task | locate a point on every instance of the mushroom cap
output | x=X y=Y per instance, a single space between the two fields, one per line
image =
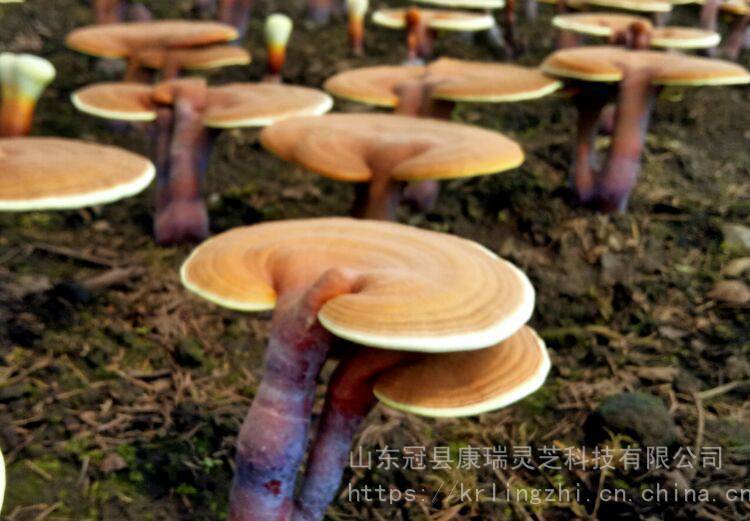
x=644 y=6
x=608 y=64
x=443 y=19
x=467 y=383
x=351 y=147
x=454 y=80
x=672 y=37
x=465 y=4
x=607 y=24
x=52 y=173
x=230 y=106
x=596 y=24
x=121 y=39
x=199 y=58
x=414 y=290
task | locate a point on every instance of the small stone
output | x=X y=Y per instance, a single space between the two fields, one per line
x=642 y=417
x=112 y=463
x=736 y=236
x=736 y=267
x=730 y=292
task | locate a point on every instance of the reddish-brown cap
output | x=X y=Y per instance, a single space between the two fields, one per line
x=51 y=173
x=351 y=147
x=120 y=40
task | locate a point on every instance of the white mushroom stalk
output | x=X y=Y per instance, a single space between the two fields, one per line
x=23 y=78
x=278 y=30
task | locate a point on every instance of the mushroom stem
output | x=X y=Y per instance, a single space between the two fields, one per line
x=182 y=149
x=710 y=14
x=565 y=39
x=379 y=198
x=590 y=102
x=320 y=11
x=236 y=13
x=420 y=38
x=509 y=22
x=735 y=40
x=273 y=438
x=415 y=99
x=634 y=106
x=531 y=10
x=108 y=11
x=349 y=400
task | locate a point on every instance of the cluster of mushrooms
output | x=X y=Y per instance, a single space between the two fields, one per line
x=424 y=322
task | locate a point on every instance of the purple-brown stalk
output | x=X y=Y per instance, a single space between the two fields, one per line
x=320 y=11
x=609 y=189
x=349 y=400
x=272 y=443
x=420 y=39
x=109 y=11
x=380 y=197
x=182 y=147
x=236 y=13
x=736 y=39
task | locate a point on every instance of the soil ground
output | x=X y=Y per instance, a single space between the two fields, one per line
x=124 y=403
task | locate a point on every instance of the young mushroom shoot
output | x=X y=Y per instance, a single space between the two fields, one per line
x=57 y=174
x=421 y=26
x=632 y=78
x=425 y=322
x=23 y=79
x=108 y=11
x=432 y=91
x=187 y=115
x=380 y=154
x=278 y=31
x=356 y=11
x=170 y=45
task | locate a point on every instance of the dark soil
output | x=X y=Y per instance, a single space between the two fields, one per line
x=124 y=403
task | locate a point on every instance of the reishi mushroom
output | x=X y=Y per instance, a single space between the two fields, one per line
x=183 y=111
x=434 y=325
x=500 y=38
x=739 y=11
x=613 y=26
x=356 y=11
x=433 y=90
x=54 y=174
x=278 y=30
x=381 y=153
x=167 y=38
x=633 y=77
x=23 y=78
x=421 y=25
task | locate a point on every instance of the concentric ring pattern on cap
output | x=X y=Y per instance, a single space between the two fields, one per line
x=416 y=290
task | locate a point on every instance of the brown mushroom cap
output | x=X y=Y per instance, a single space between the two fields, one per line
x=608 y=24
x=465 y=4
x=200 y=58
x=350 y=147
x=597 y=24
x=415 y=290
x=643 y=6
x=120 y=40
x=672 y=37
x=230 y=106
x=467 y=383
x=442 y=19
x=735 y=7
x=51 y=173
x=607 y=64
x=455 y=80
